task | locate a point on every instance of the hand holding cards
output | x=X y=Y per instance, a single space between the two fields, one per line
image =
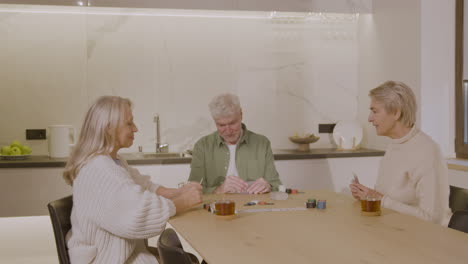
x=355 y=178
x=353 y=186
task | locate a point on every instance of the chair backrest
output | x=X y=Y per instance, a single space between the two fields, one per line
x=171 y=250
x=60 y=211
x=458 y=199
x=459 y=221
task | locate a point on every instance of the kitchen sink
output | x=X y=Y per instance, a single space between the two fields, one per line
x=143 y=155
x=161 y=155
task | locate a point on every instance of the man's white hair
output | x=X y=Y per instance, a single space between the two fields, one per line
x=224 y=105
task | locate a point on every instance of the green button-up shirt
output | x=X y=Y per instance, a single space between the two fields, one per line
x=254 y=159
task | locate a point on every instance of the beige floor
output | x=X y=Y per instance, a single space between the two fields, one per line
x=31 y=240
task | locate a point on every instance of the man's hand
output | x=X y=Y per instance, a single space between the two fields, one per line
x=259 y=186
x=360 y=191
x=232 y=184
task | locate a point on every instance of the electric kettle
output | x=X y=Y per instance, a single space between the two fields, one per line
x=61 y=138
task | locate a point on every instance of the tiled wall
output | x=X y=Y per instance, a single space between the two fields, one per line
x=292 y=71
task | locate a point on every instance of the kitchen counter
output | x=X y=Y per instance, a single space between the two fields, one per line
x=37 y=161
x=325 y=153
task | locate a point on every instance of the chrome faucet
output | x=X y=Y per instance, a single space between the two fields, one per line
x=160 y=148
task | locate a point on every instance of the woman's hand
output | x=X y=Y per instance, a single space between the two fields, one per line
x=189 y=187
x=171 y=193
x=188 y=196
x=360 y=191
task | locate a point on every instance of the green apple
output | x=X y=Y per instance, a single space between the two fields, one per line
x=6 y=150
x=16 y=143
x=15 y=151
x=26 y=150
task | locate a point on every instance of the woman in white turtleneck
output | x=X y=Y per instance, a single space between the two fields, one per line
x=413 y=177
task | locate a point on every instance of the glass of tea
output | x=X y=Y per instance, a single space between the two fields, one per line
x=370 y=206
x=225 y=208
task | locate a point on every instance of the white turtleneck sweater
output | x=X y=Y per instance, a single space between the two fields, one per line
x=413 y=177
x=114 y=209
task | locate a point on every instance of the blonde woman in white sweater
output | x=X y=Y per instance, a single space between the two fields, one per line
x=413 y=177
x=115 y=208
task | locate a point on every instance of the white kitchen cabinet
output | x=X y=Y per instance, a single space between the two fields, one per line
x=26 y=191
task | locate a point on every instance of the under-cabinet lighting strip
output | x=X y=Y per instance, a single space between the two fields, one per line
x=268 y=15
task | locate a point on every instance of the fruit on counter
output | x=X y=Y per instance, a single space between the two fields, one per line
x=15 y=149
x=296 y=135
x=16 y=143
x=6 y=150
x=25 y=150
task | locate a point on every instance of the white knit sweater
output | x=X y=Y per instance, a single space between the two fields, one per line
x=413 y=177
x=114 y=210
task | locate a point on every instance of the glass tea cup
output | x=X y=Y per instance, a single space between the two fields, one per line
x=225 y=208
x=370 y=205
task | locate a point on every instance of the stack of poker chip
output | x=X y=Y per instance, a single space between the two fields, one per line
x=311 y=203
x=281 y=188
x=291 y=191
x=321 y=204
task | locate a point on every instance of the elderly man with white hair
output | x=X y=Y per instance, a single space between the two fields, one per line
x=233 y=159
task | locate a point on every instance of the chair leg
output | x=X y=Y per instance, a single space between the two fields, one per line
x=155 y=252
x=193 y=258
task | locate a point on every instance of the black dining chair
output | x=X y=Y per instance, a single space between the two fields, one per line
x=171 y=250
x=60 y=211
x=458 y=199
x=459 y=221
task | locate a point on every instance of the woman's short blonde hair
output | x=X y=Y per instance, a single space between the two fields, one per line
x=98 y=133
x=224 y=105
x=397 y=96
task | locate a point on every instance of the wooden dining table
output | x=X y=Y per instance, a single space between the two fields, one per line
x=337 y=234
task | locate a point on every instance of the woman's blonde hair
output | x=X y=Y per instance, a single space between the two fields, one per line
x=224 y=105
x=397 y=96
x=98 y=133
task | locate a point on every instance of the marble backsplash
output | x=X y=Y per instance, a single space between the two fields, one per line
x=291 y=71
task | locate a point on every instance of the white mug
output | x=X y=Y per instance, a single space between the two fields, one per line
x=61 y=138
